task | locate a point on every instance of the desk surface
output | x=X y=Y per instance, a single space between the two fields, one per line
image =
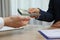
x=29 y=35
x=24 y=34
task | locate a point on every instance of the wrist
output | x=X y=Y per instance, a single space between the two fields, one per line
x=38 y=10
x=38 y=13
x=6 y=21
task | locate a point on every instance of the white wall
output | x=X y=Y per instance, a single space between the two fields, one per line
x=0 y=8
x=25 y=4
x=13 y=5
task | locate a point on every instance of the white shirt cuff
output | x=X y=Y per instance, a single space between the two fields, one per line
x=1 y=22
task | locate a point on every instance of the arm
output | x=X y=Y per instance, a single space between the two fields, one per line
x=14 y=21
x=47 y=16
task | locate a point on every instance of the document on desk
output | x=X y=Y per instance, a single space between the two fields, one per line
x=50 y=34
x=8 y=30
x=5 y=28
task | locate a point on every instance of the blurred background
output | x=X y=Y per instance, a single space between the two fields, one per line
x=9 y=8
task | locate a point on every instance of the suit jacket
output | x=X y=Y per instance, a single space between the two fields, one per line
x=53 y=12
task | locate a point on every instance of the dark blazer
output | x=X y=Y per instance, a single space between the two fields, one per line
x=53 y=12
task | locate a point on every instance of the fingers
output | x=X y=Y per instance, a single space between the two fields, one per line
x=33 y=10
x=20 y=18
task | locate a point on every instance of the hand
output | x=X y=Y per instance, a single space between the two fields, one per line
x=16 y=21
x=56 y=25
x=34 y=10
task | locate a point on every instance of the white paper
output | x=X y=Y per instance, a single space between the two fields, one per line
x=5 y=28
x=54 y=33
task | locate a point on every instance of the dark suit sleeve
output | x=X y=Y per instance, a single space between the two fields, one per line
x=47 y=16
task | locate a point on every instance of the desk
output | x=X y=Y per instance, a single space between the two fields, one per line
x=29 y=35
x=24 y=34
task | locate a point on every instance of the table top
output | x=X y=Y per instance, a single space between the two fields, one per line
x=24 y=34
x=29 y=35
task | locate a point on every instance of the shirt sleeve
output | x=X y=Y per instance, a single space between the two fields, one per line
x=1 y=22
x=49 y=15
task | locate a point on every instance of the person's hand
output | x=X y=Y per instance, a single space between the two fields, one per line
x=16 y=21
x=34 y=10
x=56 y=25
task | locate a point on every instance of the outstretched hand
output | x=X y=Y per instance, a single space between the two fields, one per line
x=16 y=21
x=34 y=11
